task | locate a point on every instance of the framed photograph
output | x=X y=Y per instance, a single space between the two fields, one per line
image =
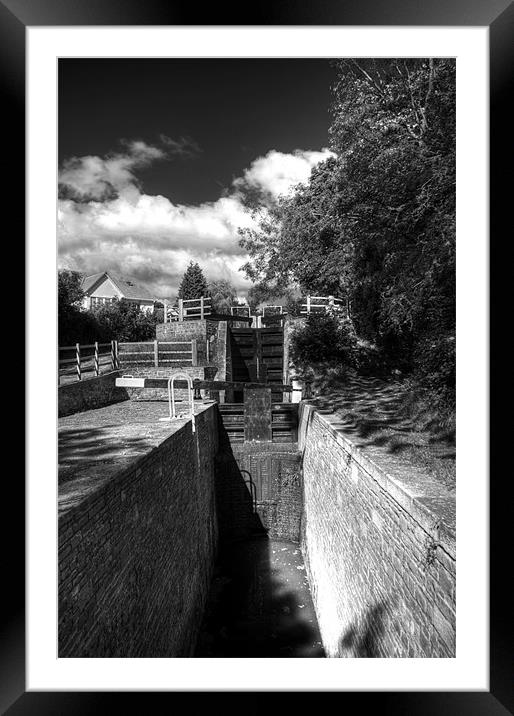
x=158 y=148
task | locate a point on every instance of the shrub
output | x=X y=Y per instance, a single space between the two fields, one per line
x=434 y=361
x=325 y=337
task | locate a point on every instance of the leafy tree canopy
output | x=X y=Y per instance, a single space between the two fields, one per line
x=223 y=295
x=375 y=223
x=124 y=321
x=69 y=290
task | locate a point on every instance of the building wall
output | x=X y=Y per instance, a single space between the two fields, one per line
x=136 y=555
x=380 y=553
x=90 y=393
x=107 y=289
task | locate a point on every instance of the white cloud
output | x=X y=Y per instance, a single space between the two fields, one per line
x=95 y=178
x=277 y=172
x=108 y=223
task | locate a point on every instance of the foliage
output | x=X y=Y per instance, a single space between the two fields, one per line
x=119 y=320
x=69 y=290
x=124 y=321
x=73 y=327
x=435 y=368
x=376 y=222
x=193 y=284
x=324 y=337
x=223 y=295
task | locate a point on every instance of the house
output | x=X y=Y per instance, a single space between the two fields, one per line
x=104 y=287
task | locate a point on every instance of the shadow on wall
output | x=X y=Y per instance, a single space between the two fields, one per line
x=259 y=607
x=259 y=603
x=362 y=639
x=235 y=495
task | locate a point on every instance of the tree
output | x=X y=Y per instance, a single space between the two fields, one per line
x=223 y=295
x=69 y=290
x=375 y=224
x=193 y=284
x=73 y=326
x=124 y=321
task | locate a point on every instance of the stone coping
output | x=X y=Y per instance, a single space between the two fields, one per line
x=102 y=444
x=426 y=500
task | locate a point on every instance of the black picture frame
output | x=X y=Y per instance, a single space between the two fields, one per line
x=498 y=15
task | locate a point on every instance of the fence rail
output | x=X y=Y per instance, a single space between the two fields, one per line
x=240 y=311
x=87 y=359
x=320 y=304
x=270 y=310
x=158 y=353
x=191 y=309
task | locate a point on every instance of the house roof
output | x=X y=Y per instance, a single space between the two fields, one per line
x=128 y=287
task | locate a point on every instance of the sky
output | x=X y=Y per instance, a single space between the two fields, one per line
x=155 y=156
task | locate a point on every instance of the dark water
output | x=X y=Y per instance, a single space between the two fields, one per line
x=260 y=604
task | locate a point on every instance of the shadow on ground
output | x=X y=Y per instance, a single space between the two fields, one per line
x=373 y=413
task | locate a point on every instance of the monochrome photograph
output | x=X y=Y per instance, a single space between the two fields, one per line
x=256 y=359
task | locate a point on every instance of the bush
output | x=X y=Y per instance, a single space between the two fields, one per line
x=434 y=361
x=325 y=337
x=124 y=321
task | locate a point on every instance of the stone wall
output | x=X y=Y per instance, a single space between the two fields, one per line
x=89 y=393
x=380 y=550
x=201 y=331
x=136 y=554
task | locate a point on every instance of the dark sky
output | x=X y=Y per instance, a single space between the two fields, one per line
x=235 y=109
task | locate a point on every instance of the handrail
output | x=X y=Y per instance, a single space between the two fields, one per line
x=171 y=398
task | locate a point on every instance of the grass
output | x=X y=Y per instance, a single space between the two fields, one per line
x=390 y=414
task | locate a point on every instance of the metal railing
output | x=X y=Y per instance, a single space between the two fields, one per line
x=83 y=359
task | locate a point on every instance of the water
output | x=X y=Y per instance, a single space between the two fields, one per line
x=260 y=604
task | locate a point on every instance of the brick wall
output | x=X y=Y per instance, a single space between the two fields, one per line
x=89 y=393
x=136 y=555
x=275 y=472
x=380 y=551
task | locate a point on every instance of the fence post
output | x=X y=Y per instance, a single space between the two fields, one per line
x=331 y=301
x=201 y=308
x=113 y=357
x=77 y=352
x=97 y=371
x=308 y=304
x=194 y=352
x=207 y=350
x=156 y=353
x=180 y=309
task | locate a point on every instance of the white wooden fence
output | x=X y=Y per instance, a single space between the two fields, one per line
x=191 y=309
x=321 y=304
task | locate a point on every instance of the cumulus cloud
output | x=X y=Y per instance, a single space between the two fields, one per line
x=96 y=178
x=106 y=221
x=276 y=173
